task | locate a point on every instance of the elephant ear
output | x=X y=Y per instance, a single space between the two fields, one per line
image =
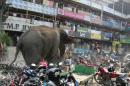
x=65 y=38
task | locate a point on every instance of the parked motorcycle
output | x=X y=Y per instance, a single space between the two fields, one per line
x=33 y=76
x=106 y=75
x=60 y=78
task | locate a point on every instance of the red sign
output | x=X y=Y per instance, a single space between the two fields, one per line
x=71 y=14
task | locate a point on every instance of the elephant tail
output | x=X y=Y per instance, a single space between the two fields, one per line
x=16 y=54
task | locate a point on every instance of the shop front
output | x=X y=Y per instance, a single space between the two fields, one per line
x=125 y=44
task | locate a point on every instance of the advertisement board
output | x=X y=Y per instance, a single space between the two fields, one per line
x=21 y=24
x=80 y=51
x=71 y=14
x=128 y=27
x=106 y=36
x=84 y=32
x=127 y=40
x=95 y=34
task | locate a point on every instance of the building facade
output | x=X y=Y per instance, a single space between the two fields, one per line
x=93 y=21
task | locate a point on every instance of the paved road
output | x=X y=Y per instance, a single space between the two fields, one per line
x=10 y=56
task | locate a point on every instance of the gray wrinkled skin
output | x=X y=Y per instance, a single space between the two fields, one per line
x=42 y=42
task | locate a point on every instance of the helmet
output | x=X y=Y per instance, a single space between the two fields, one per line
x=111 y=68
x=51 y=65
x=33 y=66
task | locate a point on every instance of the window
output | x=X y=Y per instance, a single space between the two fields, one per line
x=39 y=1
x=60 y=5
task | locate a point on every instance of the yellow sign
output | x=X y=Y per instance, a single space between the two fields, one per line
x=114 y=44
x=95 y=36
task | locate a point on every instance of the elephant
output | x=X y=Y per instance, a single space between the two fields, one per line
x=41 y=42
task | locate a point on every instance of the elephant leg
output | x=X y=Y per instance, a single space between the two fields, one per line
x=31 y=55
x=55 y=57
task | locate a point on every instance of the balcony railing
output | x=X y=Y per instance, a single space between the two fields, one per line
x=100 y=7
x=52 y=11
x=20 y=4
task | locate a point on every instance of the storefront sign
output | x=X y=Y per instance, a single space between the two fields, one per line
x=128 y=27
x=123 y=36
x=16 y=27
x=95 y=34
x=125 y=40
x=21 y=24
x=84 y=33
x=80 y=50
x=71 y=14
x=106 y=36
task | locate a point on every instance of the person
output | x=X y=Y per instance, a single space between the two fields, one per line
x=113 y=56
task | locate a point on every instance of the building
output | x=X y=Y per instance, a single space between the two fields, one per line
x=98 y=23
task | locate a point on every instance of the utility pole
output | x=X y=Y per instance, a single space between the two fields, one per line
x=3 y=9
x=55 y=15
x=1 y=12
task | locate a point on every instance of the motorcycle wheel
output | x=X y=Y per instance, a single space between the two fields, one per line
x=98 y=79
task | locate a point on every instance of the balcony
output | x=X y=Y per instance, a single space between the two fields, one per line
x=108 y=24
x=90 y=17
x=24 y=5
x=99 y=7
x=95 y=19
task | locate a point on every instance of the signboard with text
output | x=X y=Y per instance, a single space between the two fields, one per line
x=106 y=36
x=21 y=24
x=95 y=34
x=71 y=14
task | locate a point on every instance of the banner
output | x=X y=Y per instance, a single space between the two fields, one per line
x=95 y=34
x=106 y=36
x=84 y=32
x=125 y=40
x=21 y=24
x=71 y=14
x=80 y=51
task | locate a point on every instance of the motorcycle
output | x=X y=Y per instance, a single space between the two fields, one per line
x=33 y=76
x=56 y=75
x=106 y=76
